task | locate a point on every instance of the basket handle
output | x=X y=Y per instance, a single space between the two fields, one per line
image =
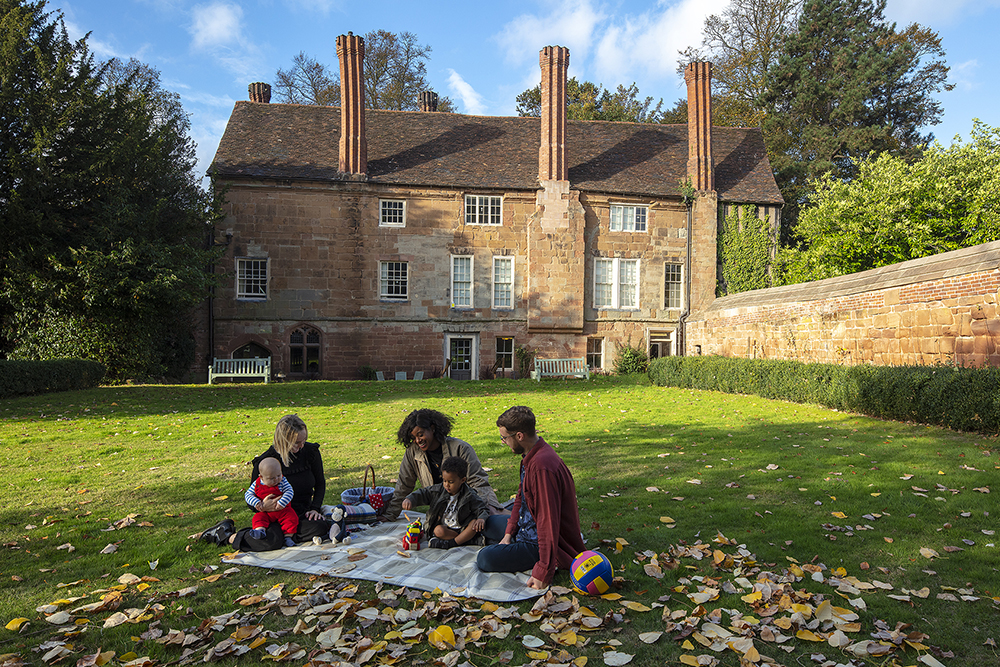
x=364 y=485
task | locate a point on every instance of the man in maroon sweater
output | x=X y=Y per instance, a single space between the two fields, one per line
x=543 y=530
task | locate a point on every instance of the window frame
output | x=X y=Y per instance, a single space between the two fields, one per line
x=497 y=259
x=472 y=283
x=599 y=354
x=384 y=279
x=305 y=346
x=616 y=300
x=622 y=222
x=667 y=266
x=382 y=213
x=497 y=365
x=242 y=279
x=473 y=210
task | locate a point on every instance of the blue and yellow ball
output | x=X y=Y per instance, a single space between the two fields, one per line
x=591 y=573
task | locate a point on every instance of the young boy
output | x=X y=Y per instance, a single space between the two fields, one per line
x=272 y=483
x=456 y=513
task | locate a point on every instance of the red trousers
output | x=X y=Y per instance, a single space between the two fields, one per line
x=286 y=518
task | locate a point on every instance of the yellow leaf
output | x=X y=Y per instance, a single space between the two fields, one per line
x=131 y=655
x=784 y=623
x=141 y=587
x=538 y=655
x=221 y=498
x=929 y=553
x=666 y=519
x=803 y=609
x=876 y=495
x=808 y=635
x=689 y=660
x=581 y=661
x=796 y=570
x=752 y=655
x=839 y=515
x=611 y=596
x=752 y=597
x=917 y=645
x=567 y=638
x=635 y=606
x=687 y=645
x=442 y=635
x=16 y=624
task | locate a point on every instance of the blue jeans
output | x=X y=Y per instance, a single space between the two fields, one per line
x=513 y=557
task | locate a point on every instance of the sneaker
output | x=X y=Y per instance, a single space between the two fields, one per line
x=220 y=533
x=438 y=543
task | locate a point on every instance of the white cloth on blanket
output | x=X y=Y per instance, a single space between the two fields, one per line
x=453 y=571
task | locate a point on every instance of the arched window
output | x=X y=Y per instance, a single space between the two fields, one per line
x=252 y=351
x=304 y=345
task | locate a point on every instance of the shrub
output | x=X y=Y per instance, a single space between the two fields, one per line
x=630 y=360
x=20 y=378
x=368 y=372
x=964 y=399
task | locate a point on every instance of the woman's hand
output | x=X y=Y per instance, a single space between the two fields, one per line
x=507 y=539
x=313 y=515
x=536 y=584
x=407 y=505
x=270 y=504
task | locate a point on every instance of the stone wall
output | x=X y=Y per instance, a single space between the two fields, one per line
x=933 y=310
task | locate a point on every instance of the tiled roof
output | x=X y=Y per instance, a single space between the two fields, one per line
x=289 y=141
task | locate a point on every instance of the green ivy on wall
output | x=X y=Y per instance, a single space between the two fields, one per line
x=744 y=251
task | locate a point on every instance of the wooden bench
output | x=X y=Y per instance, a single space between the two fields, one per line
x=560 y=368
x=240 y=368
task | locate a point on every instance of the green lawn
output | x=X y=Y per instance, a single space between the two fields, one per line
x=700 y=499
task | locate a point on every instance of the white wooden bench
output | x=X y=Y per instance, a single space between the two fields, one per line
x=560 y=368
x=240 y=368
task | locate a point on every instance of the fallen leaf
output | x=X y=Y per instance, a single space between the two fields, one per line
x=614 y=658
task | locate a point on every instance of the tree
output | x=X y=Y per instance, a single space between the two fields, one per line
x=743 y=43
x=395 y=74
x=590 y=101
x=104 y=223
x=894 y=210
x=846 y=87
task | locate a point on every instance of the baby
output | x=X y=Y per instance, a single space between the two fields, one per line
x=456 y=513
x=272 y=483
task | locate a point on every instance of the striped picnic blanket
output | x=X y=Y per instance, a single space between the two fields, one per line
x=372 y=555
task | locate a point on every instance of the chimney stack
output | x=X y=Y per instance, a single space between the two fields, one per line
x=428 y=100
x=699 y=84
x=554 y=61
x=353 y=142
x=260 y=92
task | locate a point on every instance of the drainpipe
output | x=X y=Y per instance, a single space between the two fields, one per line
x=689 y=201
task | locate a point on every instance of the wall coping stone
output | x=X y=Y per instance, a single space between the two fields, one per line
x=983 y=257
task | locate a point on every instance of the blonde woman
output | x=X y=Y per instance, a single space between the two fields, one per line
x=302 y=466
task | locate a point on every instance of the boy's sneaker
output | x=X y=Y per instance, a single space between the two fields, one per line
x=220 y=532
x=438 y=543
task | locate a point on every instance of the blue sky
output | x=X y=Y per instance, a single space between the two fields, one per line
x=484 y=53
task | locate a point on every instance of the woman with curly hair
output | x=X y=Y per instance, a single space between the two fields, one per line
x=426 y=435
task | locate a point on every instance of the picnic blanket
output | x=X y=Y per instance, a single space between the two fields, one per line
x=372 y=555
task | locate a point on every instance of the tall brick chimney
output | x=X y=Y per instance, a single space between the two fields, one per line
x=353 y=142
x=699 y=84
x=428 y=100
x=554 y=60
x=260 y=92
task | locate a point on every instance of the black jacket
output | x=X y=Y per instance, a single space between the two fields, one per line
x=305 y=474
x=470 y=505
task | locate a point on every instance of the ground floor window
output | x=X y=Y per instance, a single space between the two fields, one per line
x=252 y=351
x=505 y=354
x=304 y=347
x=595 y=353
x=661 y=344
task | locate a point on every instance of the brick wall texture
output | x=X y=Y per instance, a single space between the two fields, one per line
x=934 y=310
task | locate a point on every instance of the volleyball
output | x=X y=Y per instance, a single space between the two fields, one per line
x=591 y=573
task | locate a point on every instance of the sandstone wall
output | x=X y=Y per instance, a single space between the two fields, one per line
x=940 y=309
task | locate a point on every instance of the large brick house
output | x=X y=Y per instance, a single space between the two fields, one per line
x=426 y=241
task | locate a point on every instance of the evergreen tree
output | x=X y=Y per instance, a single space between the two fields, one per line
x=846 y=87
x=103 y=222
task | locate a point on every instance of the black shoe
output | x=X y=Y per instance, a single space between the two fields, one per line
x=477 y=541
x=438 y=543
x=220 y=533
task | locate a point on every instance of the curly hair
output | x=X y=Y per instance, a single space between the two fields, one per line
x=456 y=465
x=425 y=418
x=286 y=434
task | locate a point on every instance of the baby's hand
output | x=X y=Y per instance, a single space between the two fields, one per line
x=478 y=525
x=407 y=505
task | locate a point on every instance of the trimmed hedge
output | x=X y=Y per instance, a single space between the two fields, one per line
x=963 y=399
x=19 y=378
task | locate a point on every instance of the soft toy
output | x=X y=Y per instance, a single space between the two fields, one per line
x=338 y=531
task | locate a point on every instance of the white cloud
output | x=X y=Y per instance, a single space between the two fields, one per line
x=963 y=75
x=569 y=23
x=471 y=101
x=216 y=25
